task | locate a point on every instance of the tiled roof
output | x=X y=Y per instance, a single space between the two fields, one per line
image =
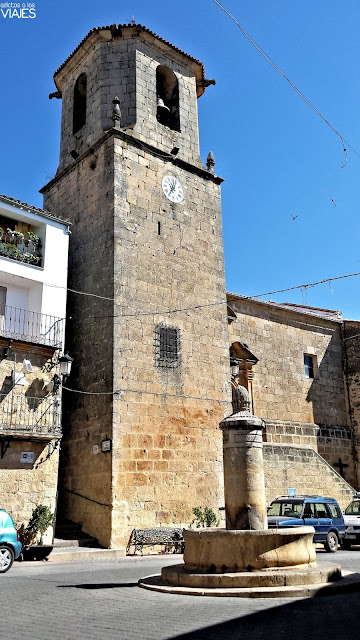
x=314 y=312
x=32 y=209
x=124 y=26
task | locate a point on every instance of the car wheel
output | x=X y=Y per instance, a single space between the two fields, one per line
x=6 y=558
x=332 y=542
x=345 y=544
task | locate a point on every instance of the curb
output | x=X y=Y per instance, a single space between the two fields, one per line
x=87 y=554
x=350 y=582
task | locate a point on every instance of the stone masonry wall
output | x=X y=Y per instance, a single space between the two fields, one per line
x=279 y=339
x=24 y=485
x=352 y=364
x=330 y=442
x=84 y=194
x=130 y=243
x=167 y=445
x=126 y=68
x=288 y=466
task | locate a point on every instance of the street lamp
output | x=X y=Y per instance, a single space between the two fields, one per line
x=234 y=366
x=65 y=363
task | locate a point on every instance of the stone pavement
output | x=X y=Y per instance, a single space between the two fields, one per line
x=100 y=600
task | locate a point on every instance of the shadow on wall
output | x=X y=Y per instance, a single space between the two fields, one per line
x=327 y=390
x=6 y=387
x=12 y=454
x=327 y=394
x=36 y=392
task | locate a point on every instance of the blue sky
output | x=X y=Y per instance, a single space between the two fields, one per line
x=278 y=158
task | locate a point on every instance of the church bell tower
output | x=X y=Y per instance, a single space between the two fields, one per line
x=150 y=381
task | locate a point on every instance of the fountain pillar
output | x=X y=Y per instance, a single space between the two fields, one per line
x=244 y=483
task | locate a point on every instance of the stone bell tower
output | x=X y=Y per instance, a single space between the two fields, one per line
x=141 y=441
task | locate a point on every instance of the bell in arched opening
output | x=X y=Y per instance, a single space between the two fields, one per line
x=167 y=90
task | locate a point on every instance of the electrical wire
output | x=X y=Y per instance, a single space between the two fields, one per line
x=152 y=393
x=198 y=306
x=301 y=95
x=305 y=286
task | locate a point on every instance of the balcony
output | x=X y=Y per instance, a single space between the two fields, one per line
x=31 y=326
x=23 y=247
x=26 y=417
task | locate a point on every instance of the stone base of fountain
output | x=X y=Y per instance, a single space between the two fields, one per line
x=220 y=562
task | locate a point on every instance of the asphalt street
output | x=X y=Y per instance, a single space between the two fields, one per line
x=100 y=599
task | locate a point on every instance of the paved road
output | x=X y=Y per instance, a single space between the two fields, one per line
x=100 y=599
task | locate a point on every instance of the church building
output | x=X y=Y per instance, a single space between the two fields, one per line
x=151 y=377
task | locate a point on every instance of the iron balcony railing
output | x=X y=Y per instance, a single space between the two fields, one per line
x=31 y=326
x=29 y=416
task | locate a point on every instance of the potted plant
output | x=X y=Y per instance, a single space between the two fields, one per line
x=34 y=239
x=33 y=544
x=18 y=237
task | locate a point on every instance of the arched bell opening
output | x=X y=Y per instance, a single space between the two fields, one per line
x=167 y=92
x=79 y=107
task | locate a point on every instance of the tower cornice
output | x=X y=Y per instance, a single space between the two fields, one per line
x=139 y=144
x=132 y=31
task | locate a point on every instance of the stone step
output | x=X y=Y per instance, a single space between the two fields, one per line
x=68 y=529
x=70 y=534
x=81 y=541
x=70 y=554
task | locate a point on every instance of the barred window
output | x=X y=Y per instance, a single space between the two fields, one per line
x=167 y=346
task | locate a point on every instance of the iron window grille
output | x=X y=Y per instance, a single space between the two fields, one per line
x=167 y=346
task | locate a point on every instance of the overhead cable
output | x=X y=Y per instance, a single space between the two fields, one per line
x=301 y=95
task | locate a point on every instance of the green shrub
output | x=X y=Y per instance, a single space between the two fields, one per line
x=40 y=521
x=205 y=517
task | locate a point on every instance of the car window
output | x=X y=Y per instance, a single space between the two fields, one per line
x=321 y=511
x=309 y=510
x=334 y=510
x=287 y=509
x=353 y=509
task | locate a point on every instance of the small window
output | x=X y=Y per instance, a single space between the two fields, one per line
x=310 y=366
x=167 y=346
x=79 y=107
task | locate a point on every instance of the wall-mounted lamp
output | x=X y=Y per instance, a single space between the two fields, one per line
x=65 y=363
x=234 y=366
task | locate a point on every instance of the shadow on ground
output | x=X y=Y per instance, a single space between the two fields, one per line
x=334 y=617
x=102 y=585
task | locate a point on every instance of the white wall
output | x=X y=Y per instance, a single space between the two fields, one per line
x=41 y=289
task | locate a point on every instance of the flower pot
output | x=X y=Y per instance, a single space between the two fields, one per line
x=36 y=552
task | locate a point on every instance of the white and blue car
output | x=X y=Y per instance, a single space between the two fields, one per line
x=352 y=524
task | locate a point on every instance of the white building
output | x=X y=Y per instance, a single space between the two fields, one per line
x=33 y=273
x=33 y=281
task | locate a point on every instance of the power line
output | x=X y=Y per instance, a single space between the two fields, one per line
x=151 y=393
x=305 y=286
x=301 y=95
x=191 y=308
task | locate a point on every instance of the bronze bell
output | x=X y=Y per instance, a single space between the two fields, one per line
x=161 y=106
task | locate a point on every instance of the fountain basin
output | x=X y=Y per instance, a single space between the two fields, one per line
x=230 y=551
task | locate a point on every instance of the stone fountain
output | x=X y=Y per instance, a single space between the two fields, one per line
x=245 y=559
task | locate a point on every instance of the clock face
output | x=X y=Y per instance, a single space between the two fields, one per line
x=172 y=188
